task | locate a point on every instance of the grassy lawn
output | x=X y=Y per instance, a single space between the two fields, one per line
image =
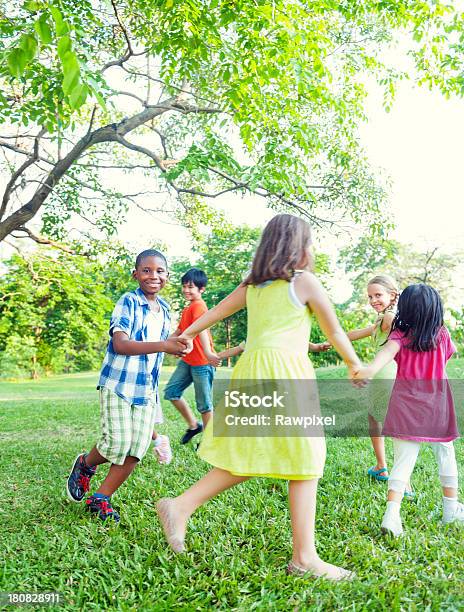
x=238 y=544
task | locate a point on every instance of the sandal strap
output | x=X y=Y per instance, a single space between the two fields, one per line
x=372 y=471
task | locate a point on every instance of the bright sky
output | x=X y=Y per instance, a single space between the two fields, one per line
x=419 y=144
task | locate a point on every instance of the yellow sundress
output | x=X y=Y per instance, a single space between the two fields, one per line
x=276 y=349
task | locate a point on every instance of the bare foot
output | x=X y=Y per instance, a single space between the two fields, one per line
x=173 y=524
x=320 y=569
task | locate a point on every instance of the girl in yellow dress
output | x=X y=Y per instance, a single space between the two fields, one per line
x=279 y=302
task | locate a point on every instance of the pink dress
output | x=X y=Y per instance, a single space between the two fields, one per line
x=421 y=406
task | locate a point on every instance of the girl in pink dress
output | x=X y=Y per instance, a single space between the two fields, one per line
x=421 y=406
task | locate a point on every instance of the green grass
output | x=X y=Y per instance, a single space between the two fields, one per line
x=238 y=544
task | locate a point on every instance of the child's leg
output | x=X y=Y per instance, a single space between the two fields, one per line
x=215 y=482
x=181 y=378
x=131 y=434
x=447 y=467
x=448 y=470
x=117 y=474
x=205 y=418
x=94 y=458
x=174 y=513
x=405 y=457
x=302 y=501
x=378 y=444
x=186 y=412
x=203 y=377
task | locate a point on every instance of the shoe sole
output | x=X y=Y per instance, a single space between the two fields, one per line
x=68 y=493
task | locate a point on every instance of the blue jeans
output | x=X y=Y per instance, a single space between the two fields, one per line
x=202 y=378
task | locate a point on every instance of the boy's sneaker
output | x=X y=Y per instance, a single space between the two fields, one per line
x=100 y=505
x=78 y=482
x=190 y=433
x=456 y=515
x=162 y=449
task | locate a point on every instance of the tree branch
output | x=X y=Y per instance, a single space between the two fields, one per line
x=123 y=28
x=29 y=162
x=43 y=240
x=113 y=132
x=162 y=164
x=181 y=89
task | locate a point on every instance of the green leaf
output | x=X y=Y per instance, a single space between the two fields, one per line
x=17 y=61
x=28 y=43
x=95 y=89
x=43 y=30
x=64 y=45
x=31 y=6
x=100 y=99
x=78 y=96
x=71 y=71
x=60 y=25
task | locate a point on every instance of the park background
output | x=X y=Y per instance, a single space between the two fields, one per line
x=185 y=126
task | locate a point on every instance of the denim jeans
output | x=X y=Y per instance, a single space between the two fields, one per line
x=202 y=378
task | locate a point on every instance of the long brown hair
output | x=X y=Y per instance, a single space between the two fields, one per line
x=282 y=249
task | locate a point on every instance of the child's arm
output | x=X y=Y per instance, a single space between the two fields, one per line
x=365 y=332
x=357 y=334
x=310 y=291
x=123 y=345
x=228 y=306
x=232 y=352
x=385 y=355
x=318 y=347
x=212 y=358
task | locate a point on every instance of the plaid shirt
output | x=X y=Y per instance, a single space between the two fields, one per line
x=127 y=375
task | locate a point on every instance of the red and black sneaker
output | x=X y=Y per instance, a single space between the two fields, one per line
x=78 y=482
x=100 y=505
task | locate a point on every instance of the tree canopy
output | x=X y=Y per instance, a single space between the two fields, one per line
x=200 y=99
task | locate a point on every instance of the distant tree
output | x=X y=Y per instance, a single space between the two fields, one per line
x=53 y=314
x=404 y=262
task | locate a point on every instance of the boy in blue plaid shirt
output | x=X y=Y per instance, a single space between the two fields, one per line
x=128 y=385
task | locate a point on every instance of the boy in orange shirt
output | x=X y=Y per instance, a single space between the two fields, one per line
x=199 y=365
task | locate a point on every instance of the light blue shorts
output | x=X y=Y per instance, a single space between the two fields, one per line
x=202 y=378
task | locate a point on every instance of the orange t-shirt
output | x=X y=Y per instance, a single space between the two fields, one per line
x=191 y=313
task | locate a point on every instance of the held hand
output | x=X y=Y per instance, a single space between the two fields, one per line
x=360 y=374
x=186 y=341
x=213 y=359
x=178 y=346
x=323 y=346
